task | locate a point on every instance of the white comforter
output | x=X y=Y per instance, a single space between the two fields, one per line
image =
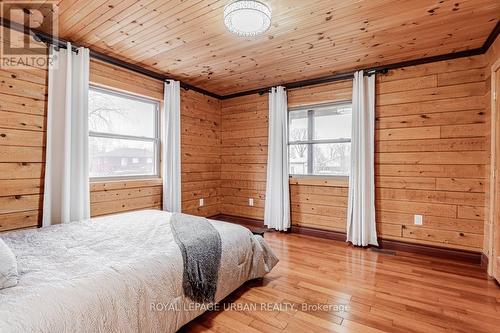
x=120 y=273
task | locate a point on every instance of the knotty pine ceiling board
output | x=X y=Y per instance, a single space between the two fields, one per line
x=187 y=39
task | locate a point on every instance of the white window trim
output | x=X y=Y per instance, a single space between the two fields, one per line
x=311 y=141
x=155 y=140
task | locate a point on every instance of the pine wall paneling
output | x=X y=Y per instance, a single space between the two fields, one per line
x=432 y=156
x=200 y=150
x=244 y=155
x=432 y=153
x=122 y=196
x=23 y=98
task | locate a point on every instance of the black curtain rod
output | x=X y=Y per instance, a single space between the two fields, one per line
x=311 y=82
x=349 y=75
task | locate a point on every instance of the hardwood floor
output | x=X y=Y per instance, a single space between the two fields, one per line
x=383 y=292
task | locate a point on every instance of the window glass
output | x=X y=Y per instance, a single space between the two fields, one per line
x=298 y=159
x=332 y=158
x=332 y=123
x=298 y=126
x=123 y=135
x=320 y=140
x=119 y=114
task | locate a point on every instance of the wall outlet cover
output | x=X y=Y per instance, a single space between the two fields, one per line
x=250 y=201
x=202 y=202
x=418 y=219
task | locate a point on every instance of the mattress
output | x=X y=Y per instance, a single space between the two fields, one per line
x=119 y=273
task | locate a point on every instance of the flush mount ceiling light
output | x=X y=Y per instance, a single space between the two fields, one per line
x=247 y=18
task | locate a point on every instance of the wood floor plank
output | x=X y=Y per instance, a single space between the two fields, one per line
x=373 y=292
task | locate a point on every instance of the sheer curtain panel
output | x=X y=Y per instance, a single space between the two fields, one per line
x=361 y=227
x=172 y=147
x=277 y=204
x=66 y=188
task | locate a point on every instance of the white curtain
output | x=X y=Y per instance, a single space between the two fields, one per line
x=172 y=147
x=361 y=228
x=66 y=192
x=277 y=205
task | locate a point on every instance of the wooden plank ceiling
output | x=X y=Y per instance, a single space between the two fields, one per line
x=188 y=40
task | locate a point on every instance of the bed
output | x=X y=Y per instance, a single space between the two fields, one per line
x=119 y=273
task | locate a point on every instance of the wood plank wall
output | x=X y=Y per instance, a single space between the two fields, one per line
x=124 y=196
x=23 y=99
x=432 y=155
x=244 y=155
x=201 y=144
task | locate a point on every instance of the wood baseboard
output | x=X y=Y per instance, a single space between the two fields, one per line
x=386 y=244
x=484 y=261
x=238 y=220
x=320 y=233
x=474 y=258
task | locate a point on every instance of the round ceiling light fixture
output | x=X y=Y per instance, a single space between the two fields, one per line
x=247 y=18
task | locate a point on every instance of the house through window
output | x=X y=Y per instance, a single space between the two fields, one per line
x=319 y=140
x=123 y=135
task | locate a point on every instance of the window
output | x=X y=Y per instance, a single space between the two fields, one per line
x=123 y=135
x=319 y=140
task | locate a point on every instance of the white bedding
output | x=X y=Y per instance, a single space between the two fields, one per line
x=120 y=273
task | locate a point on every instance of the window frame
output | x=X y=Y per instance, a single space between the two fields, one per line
x=155 y=140
x=310 y=138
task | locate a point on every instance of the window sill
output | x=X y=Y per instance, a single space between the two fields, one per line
x=125 y=179
x=332 y=181
x=116 y=184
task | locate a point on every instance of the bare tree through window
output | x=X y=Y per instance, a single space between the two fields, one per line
x=299 y=134
x=101 y=110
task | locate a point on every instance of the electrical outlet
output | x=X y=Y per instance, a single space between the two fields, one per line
x=418 y=220
x=250 y=201
x=202 y=202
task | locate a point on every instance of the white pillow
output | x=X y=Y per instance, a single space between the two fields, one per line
x=8 y=267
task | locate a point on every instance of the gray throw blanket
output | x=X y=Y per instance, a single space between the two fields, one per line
x=201 y=249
